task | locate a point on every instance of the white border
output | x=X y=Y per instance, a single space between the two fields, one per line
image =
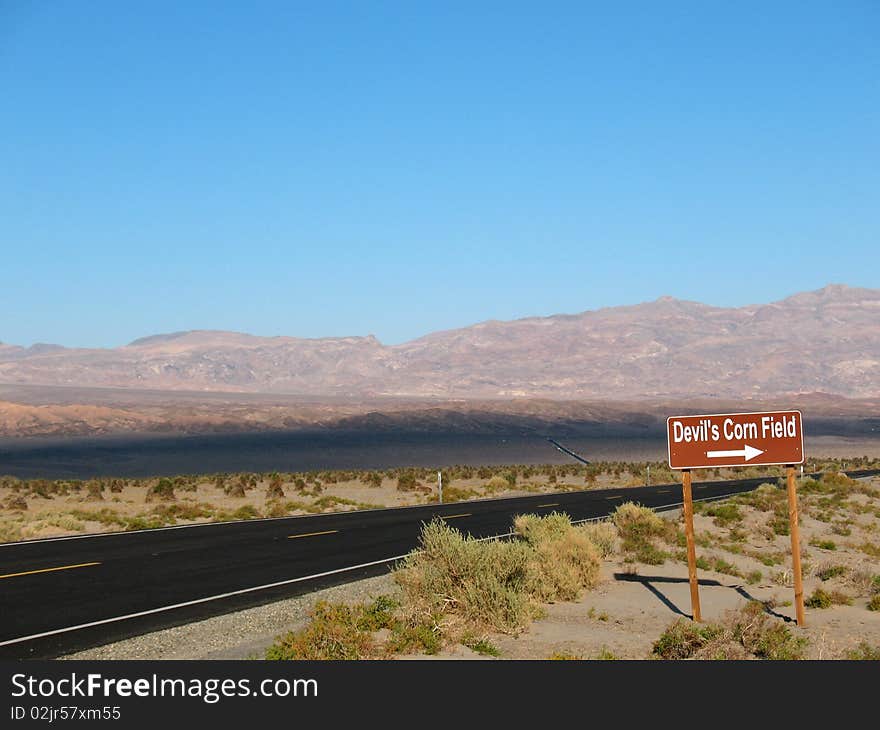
x=713 y=465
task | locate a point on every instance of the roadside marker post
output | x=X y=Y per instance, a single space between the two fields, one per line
x=688 y=501
x=440 y=485
x=733 y=440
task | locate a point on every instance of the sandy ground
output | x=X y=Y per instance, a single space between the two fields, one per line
x=624 y=614
x=627 y=613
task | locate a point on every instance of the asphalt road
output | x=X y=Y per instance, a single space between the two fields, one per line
x=63 y=594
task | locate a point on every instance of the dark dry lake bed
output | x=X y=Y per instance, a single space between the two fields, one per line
x=152 y=455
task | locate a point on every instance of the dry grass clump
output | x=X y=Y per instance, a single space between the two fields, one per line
x=821 y=598
x=337 y=631
x=749 y=633
x=864 y=652
x=765 y=498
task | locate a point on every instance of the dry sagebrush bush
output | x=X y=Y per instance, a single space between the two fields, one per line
x=564 y=559
x=634 y=521
x=744 y=634
x=603 y=535
x=465 y=584
x=457 y=585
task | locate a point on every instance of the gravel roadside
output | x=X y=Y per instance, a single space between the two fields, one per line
x=241 y=635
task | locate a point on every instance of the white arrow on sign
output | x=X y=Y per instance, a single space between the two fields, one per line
x=749 y=453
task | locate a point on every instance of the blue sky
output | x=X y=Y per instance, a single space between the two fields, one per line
x=323 y=169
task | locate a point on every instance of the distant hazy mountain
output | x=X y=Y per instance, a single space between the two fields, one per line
x=821 y=341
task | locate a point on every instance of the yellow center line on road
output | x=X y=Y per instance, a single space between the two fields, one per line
x=617 y=497
x=312 y=534
x=48 y=570
x=549 y=504
x=452 y=517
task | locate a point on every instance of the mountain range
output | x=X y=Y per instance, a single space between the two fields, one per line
x=825 y=341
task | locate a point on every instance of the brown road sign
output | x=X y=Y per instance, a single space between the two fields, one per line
x=735 y=439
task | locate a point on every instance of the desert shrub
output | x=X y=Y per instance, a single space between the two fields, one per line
x=172 y=512
x=407 y=482
x=682 y=639
x=10 y=532
x=864 y=652
x=94 y=491
x=374 y=479
x=823 y=544
x=15 y=502
x=634 y=521
x=482 y=646
x=779 y=523
x=104 y=516
x=496 y=484
x=603 y=536
x=874 y=603
x=821 y=598
x=424 y=637
x=235 y=488
x=637 y=527
x=377 y=615
x=163 y=490
x=830 y=571
x=66 y=522
x=748 y=632
x=766 y=498
x=564 y=561
x=332 y=633
x=276 y=508
x=458 y=494
x=481 y=586
x=42 y=488
x=274 y=490
x=245 y=512
x=724 y=514
x=143 y=522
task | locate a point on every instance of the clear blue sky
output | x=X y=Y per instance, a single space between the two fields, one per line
x=331 y=168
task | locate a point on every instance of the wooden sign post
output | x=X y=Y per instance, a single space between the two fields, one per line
x=795 y=547
x=737 y=439
x=688 y=501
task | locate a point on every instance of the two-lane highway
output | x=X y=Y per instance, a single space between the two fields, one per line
x=61 y=594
